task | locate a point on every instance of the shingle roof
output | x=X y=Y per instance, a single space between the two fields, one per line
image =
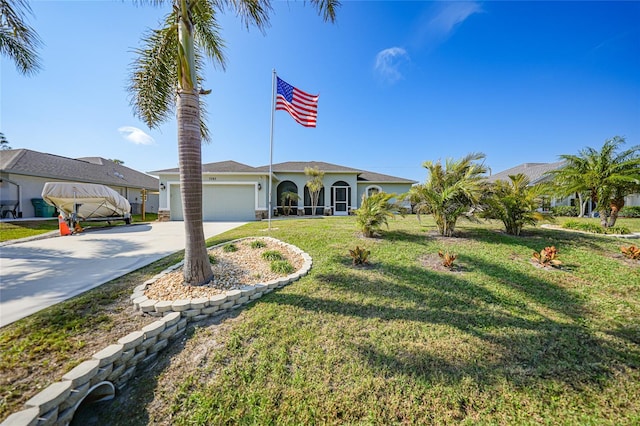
x=299 y=166
x=291 y=167
x=90 y=170
x=380 y=178
x=534 y=171
x=219 y=167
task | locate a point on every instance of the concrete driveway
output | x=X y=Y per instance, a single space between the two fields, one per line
x=38 y=274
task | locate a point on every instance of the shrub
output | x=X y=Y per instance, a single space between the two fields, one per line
x=272 y=255
x=568 y=211
x=630 y=211
x=229 y=248
x=595 y=228
x=282 y=267
x=631 y=252
x=256 y=244
x=360 y=256
x=548 y=256
x=212 y=259
x=447 y=259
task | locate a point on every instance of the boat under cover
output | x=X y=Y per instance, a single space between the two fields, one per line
x=86 y=200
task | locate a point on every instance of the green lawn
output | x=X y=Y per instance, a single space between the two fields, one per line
x=500 y=342
x=23 y=229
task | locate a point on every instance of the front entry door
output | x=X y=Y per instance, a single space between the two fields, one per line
x=340 y=201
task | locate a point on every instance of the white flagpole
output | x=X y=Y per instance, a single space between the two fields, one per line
x=273 y=108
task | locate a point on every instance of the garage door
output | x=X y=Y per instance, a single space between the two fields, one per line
x=220 y=202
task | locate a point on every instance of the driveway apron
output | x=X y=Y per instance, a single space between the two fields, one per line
x=37 y=274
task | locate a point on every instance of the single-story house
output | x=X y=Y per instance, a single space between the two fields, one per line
x=536 y=172
x=234 y=191
x=23 y=173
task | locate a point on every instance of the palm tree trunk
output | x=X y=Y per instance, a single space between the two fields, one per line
x=581 y=205
x=603 y=212
x=616 y=205
x=197 y=269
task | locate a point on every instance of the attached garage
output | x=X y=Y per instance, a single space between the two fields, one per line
x=220 y=202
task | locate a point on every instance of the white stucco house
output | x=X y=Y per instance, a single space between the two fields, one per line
x=234 y=191
x=24 y=172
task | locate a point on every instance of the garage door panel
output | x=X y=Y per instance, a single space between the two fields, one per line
x=228 y=202
x=220 y=202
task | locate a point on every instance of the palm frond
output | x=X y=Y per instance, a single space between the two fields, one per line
x=154 y=78
x=327 y=9
x=18 y=41
x=251 y=12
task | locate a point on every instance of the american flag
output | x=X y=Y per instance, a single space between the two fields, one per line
x=302 y=106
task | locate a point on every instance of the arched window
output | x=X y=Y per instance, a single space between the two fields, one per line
x=373 y=189
x=290 y=205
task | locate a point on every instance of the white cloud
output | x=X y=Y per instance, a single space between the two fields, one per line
x=452 y=14
x=441 y=20
x=135 y=135
x=388 y=62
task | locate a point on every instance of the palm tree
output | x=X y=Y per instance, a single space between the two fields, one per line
x=167 y=75
x=450 y=191
x=18 y=41
x=314 y=185
x=606 y=175
x=287 y=198
x=515 y=203
x=375 y=211
x=4 y=143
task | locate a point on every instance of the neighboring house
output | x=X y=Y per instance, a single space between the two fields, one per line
x=23 y=174
x=233 y=191
x=536 y=174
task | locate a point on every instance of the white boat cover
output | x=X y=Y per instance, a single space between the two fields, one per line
x=91 y=200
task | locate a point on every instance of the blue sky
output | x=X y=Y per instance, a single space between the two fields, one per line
x=399 y=82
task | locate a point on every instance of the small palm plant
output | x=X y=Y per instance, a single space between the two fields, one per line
x=515 y=203
x=287 y=198
x=452 y=190
x=374 y=212
x=548 y=256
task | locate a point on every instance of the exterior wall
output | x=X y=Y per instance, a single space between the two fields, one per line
x=397 y=188
x=134 y=196
x=632 y=200
x=31 y=187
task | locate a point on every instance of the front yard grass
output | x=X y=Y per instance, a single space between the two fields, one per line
x=498 y=341
x=23 y=229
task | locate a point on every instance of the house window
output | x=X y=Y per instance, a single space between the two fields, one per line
x=287 y=198
x=307 y=202
x=372 y=190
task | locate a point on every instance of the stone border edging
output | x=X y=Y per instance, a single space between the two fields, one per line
x=117 y=363
x=203 y=307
